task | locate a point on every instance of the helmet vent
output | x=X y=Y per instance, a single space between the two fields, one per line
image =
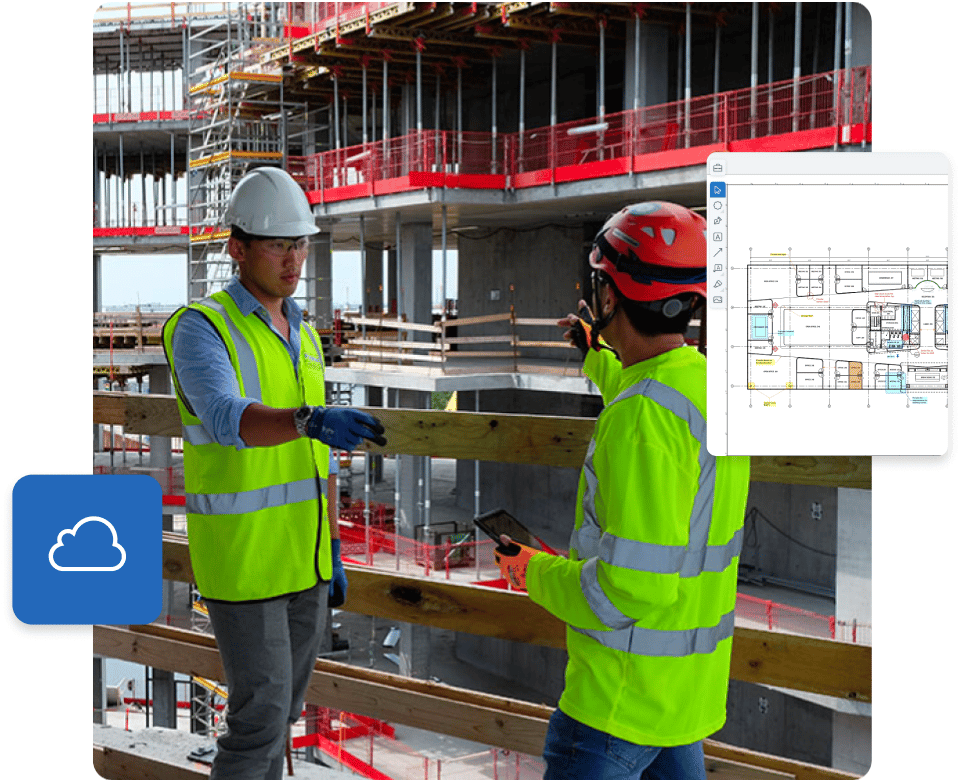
x=668 y=235
x=624 y=237
x=648 y=231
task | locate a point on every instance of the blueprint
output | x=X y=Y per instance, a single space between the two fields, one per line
x=829 y=330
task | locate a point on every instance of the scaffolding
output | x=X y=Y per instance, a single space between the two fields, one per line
x=239 y=120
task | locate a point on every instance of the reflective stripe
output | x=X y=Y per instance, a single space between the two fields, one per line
x=586 y=538
x=248 y=501
x=249 y=374
x=662 y=558
x=196 y=435
x=599 y=602
x=655 y=643
x=319 y=355
x=689 y=561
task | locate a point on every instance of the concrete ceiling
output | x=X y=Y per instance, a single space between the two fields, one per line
x=478 y=212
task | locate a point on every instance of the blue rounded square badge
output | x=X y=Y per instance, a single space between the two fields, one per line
x=87 y=549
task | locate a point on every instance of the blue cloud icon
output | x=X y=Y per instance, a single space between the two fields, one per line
x=91 y=545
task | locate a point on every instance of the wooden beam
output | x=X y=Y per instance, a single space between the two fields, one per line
x=506 y=438
x=803 y=663
x=491 y=720
x=445 y=709
x=115 y=764
x=786 y=660
x=800 y=770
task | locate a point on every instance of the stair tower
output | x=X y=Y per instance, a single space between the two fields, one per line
x=239 y=120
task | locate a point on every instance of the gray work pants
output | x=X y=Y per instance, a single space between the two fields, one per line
x=268 y=650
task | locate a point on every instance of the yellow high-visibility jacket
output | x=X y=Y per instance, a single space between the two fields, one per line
x=256 y=516
x=649 y=590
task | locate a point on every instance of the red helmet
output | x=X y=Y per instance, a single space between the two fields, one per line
x=653 y=251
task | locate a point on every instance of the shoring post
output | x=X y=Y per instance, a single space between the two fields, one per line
x=754 y=56
x=797 y=28
x=686 y=86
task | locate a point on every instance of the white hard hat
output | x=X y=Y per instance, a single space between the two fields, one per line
x=268 y=202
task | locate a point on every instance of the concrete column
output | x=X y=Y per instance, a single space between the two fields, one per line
x=651 y=71
x=97 y=282
x=99 y=690
x=391 y=284
x=410 y=510
x=416 y=255
x=852 y=725
x=160 y=455
x=854 y=544
x=860 y=35
x=164 y=699
x=414 y=650
x=319 y=267
x=374 y=398
x=97 y=429
x=373 y=278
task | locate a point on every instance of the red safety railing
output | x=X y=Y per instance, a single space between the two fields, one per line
x=781 y=617
x=812 y=112
x=308 y=18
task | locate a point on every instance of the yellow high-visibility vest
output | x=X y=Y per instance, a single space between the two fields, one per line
x=256 y=517
x=649 y=590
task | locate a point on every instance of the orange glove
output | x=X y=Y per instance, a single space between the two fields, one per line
x=512 y=558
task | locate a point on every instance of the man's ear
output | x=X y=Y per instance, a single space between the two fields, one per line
x=235 y=248
x=608 y=294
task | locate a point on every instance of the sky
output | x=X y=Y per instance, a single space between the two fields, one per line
x=47 y=424
x=129 y=280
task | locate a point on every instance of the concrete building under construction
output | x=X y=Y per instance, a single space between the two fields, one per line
x=504 y=133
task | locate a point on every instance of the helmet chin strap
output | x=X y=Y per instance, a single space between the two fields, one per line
x=600 y=323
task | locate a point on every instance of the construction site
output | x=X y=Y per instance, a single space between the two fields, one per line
x=501 y=136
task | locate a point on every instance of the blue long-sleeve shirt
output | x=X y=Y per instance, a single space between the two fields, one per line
x=204 y=372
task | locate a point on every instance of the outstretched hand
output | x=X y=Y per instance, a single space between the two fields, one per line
x=344 y=428
x=574 y=330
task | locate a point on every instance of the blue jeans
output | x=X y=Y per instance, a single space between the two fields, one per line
x=574 y=751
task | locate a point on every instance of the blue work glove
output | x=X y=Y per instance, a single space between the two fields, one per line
x=338 y=580
x=343 y=428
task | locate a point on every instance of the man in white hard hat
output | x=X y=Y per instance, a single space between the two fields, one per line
x=248 y=374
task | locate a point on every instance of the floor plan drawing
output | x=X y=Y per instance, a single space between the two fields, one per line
x=847 y=326
x=828 y=327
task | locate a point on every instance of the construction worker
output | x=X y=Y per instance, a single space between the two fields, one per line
x=249 y=379
x=649 y=589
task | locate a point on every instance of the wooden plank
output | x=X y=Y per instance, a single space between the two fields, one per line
x=803 y=663
x=375 y=355
x=143 y=412
x=479 y=320
x=507 y=338
x=826 y=471
x=111 y=408
x=481 y=354
x=445 y=709
x=786 y=660
x=799 y=769
x=115 y=764
x=557 y=441
x=537 y=321
x=506 y=438
x=720 y=769
x=547 y=344
x=393 y=324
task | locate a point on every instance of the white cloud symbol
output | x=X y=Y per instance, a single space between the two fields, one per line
x=73 y=532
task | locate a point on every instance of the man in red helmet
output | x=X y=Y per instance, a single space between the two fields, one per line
x=649 y=589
